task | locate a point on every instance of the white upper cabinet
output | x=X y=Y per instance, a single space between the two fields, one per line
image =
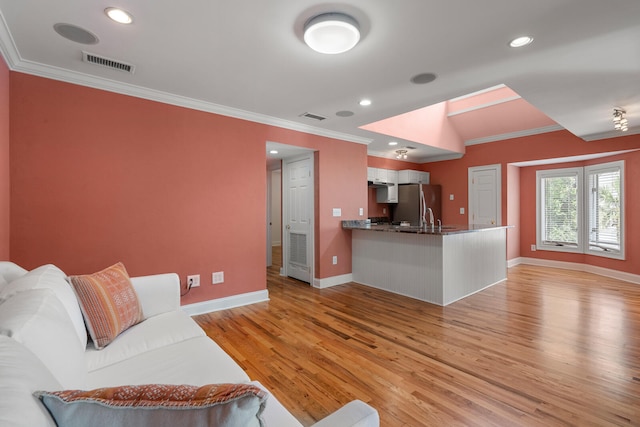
x=413 y=177
x=388 y=194
x=377 y=175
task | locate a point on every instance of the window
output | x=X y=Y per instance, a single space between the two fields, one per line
x=581 y=210
x=604 y=206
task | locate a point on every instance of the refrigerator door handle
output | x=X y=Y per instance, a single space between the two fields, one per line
x=423 y=208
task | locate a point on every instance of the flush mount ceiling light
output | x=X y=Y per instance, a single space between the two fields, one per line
x=365 y=102
x=401 y=154
x=521 y=41
x=119 y=15
x=392 y=143
x=619 y=120
x=331 y=33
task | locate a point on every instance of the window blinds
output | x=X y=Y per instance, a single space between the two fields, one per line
x=604 y=209
x=560 y=212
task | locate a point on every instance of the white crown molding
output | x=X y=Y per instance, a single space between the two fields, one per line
x=225 y=303
x=389 y=155
x=421 y=159
x=483 y=106
x=478 y=92
x=611 y=134
x=16 y=63
x=511 y=135
x=442 y=157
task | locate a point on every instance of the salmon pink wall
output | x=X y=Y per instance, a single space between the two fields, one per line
x=378 y=209
x=453 y=175
x=5 y=205
x=99 y=177
x=342 y=184
x=513 y=211
x=392 y=164
x=632 y=221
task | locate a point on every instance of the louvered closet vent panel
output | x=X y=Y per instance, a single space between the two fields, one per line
x=298 y=248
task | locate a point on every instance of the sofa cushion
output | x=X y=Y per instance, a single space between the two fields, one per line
x=21 y=374
x=158 y=405
x=109 y=303
x=50 y=277
x=196 y=361
x=155 y=332
x=38 y=320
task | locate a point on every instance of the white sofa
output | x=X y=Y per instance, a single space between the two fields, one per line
x=44 y=346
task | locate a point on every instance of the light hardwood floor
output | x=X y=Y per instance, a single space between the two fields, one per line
x=546 y=347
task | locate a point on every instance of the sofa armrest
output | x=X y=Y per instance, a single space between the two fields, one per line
x=158 y=293
x=11 y=271
x=354 y=414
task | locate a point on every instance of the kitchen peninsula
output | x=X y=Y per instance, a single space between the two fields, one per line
x=439 y=265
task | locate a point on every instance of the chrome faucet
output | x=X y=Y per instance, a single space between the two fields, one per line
x=431 y=221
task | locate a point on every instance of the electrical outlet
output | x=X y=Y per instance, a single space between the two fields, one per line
x=461 y=211
x=335 y=260
x=533 y=248
x=361 y=211
x=193 y=281
x=217 y=277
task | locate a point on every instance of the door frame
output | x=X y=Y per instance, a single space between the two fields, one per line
x=285 y=214
x=472 y=208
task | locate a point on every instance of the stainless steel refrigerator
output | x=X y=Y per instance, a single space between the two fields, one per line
x=413 y=202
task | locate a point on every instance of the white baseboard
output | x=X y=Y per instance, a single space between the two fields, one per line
x=601 y=271
x=513 y=262
x=332 y=281
x=225 y=303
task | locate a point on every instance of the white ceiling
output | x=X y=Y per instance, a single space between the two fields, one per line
x=247 y=59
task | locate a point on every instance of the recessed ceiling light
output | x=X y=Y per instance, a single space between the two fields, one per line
x=331 y=33
x=273 y=152
x=521 y=41
x=119 y=15
x=393 y=143
x=365 y=102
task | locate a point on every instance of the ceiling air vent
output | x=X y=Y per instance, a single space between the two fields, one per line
x=312 y=116
x=107 y=62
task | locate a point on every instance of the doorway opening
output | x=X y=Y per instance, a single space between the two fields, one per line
x=290 y=211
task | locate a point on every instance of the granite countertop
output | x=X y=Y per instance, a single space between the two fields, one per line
x=441 y=231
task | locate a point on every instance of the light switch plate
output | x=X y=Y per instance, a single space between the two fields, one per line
x=337 y=212
x=461 y=211
x=450 y=196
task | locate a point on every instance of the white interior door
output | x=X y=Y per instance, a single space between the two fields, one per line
x=485 y=195
x=297 y=198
